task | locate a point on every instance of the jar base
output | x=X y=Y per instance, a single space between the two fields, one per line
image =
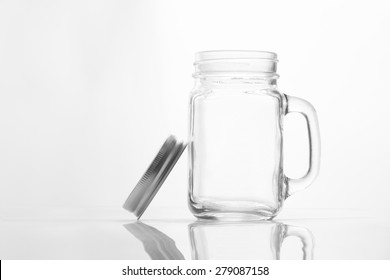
x=233 y=216
x=226 y=213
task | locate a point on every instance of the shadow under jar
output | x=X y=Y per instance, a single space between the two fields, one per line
x=236 y=141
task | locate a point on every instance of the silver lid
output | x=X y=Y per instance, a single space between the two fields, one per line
x=145 y=190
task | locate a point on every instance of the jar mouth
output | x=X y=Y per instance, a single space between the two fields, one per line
x=236 y=63
x=205 y=56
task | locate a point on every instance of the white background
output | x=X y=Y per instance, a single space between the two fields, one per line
x=89 y=90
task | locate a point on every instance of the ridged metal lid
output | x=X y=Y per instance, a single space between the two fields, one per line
x=145 y=190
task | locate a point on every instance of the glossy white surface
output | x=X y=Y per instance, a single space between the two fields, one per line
x=105 y=233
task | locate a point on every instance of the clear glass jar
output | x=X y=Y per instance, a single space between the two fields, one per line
x=236 y=139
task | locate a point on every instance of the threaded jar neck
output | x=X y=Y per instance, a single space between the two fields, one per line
x=240 y=64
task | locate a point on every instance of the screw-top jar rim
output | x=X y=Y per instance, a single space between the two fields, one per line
x=237 y=62
x=205 y=56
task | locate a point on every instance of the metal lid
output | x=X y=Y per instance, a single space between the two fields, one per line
x=149 y=184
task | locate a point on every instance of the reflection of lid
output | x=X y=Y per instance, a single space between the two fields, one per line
x=158 y=245
x=145 y=190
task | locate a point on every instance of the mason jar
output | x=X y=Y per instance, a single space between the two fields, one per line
x=236 y=137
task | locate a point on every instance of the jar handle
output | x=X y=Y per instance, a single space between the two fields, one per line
x=298 y=105
x=306 y=238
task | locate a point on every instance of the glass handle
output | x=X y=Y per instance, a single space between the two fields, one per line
x=306 y=238
x=298 y=105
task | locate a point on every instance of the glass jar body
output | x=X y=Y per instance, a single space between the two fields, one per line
x=235 y=149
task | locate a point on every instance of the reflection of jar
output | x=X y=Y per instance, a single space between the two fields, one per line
x=255 y=240
x=235 y=140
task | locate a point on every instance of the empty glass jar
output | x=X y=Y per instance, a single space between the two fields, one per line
x=236 y=137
